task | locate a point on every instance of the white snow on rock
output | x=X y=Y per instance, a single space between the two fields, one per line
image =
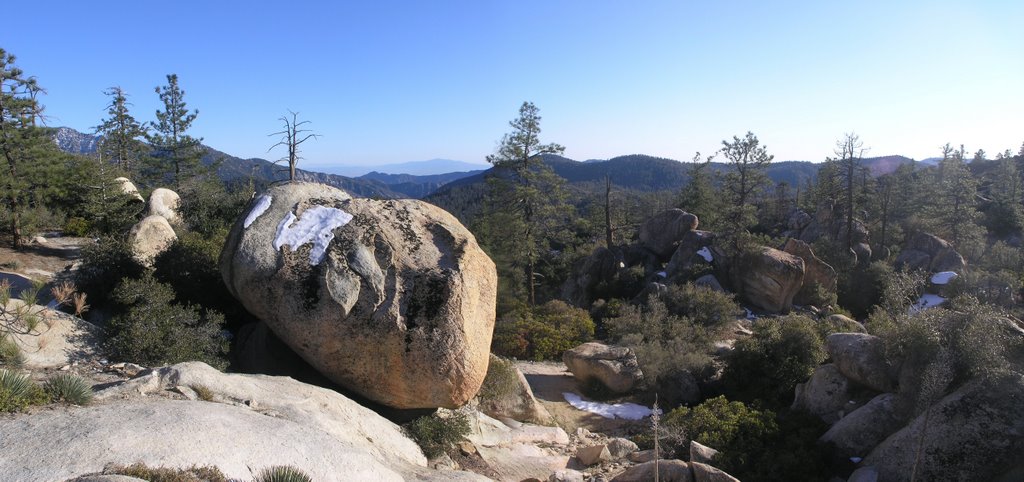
x=316 y=226
x=926 y=301
x=262 y=204
x=662 y=274
x=706 y=254
x=627 y=411
x=943 y=277
x=749 y=314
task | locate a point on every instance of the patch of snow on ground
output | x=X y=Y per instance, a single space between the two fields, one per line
x=262 y=204
x=662 y=274
x=943 y=277
x=706 y=254
x=750 y=314
x=926 y=301
x=855 y=460
x=627 y=411
x=316 y=226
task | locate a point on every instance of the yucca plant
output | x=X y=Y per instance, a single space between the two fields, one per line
x=282 y=473
x=69 y=388
x=17 y=391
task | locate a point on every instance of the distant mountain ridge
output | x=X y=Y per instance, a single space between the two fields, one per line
x=415 y=168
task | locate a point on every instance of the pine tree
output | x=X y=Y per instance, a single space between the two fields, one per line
x=746 y=179
x=849 y=150
x=27 y=152
x=698 y=196
x=178 y=152
x=527 y=200
x=121 y=133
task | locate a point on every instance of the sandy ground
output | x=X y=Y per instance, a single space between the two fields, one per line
x=549 y=380
x=47 y=262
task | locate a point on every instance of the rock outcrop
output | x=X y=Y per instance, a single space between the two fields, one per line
x=150 y=237
x=662 y=233
x=61 y=339
x=391 y=299
x=825 y=394
x=252 y=421
x=164 y=202
x=818 y=275
x=974 y=433
x=615 y=367
x=768 y=278
x=857 y=433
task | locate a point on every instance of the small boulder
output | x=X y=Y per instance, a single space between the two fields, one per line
x=768 y=278
x=701 y=453
x=864 y=428
x=839 y=323
x=663 y=231
x=566 y=475
x=150 y=237
x=164 y=202
x=707 y=473
x=711 y=282
x=620 y=448
x=860 y=357
x=506 y=394
x=391 y=299
x=593 y=454
x=128 y=188
x=615 y=367
x=668 y=471
x=690 y=252
x=864 y=474
x=824 y=394
x=641 y=456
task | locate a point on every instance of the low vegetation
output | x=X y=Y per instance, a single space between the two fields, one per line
x=437 y=434
x=207 y=473
x=282 y=473
x=542 y=333
x=18 y=391
x=68 y=388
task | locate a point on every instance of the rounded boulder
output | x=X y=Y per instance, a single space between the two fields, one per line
x=392 y=299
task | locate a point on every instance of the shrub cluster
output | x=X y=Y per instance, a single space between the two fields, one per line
x=781 y=353
x=153 y=330
x=436 y=434
x=542 y=333
x=17 y=392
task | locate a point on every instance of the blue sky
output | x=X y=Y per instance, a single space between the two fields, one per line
x=390 y=81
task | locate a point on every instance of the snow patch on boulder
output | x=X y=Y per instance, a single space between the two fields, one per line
x=316 y=226
x=262 y=204
x=706 y=254
x=926 y=301
x=943 y=277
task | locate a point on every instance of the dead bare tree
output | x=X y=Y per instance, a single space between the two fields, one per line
x=291 y=137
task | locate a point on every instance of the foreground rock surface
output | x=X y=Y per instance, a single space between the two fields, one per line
x=974 y=433
x=615 y=367
x=251 y=421
x=391 y=299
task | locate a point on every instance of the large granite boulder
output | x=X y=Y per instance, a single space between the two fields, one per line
x=663 y=231
x=615 y=367
x=818 y=275
x=861 y=358
x=164 y=202
x=150 y=237
x=768 y=278
x=391 y=299
x=930 y=253
x=974 y=433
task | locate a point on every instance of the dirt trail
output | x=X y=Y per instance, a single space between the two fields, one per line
x=549 y=380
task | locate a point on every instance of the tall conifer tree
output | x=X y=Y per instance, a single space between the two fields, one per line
x=122 y=134
x=178 y=153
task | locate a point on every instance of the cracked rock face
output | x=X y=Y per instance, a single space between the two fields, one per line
x=392 y=299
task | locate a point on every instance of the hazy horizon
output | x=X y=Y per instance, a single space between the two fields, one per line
x=403 y=81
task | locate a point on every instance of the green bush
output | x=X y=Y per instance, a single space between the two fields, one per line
x=665 y=344
x=104 y=265
x=702 y=305
x=862 y=288
x=767 y=366
x=17 y=392
x=10 y=354
x=207 y=473
x=76 y=227
x=753 y=444
x=209 y=206
x=435 y=434
x=68 y=388
x=190 y=265
x=282 y=473
x=153 y=330
x=501 y=381
x=543 y=333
